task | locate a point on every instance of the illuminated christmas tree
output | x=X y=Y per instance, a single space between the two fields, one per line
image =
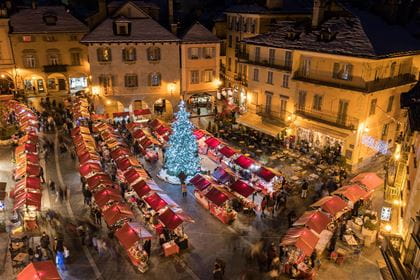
x=182 y=152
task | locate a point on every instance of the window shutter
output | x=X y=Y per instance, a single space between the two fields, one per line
x=213 y=52
x=203 y=76
x=157 y=53
x=149 y=79
x=124 y=54
x=126 y=80
x=350 y=71
x=99 y=54
x=134 y=53
x=200 y=51
x=213 y=74
x=336 y=69
x=110 y=54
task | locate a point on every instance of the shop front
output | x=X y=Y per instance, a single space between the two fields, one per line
x=318 y=139
x=78 y=83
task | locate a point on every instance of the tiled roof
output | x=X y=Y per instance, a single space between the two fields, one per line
x=142 y=30
x=31 y=21
x=289 y=6
x=363 y=35
x=198 y=33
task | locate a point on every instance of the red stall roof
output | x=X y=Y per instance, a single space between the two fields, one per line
x=370 y=180
x=132 y=174
x=88 y=168
x=29 y=182
x=130 y=233
x=352 y=192
x=227 y=151
x=99 y=179
x=106 y=195
x=142 y=112
x=138 y=134
x=266 y=174
x=198 y=133
x=45 y=270
x=27 y=199
x=244 y=162
x=200 y=182
x=315 y=220
x=155 y=202
x=121 y=114
x=116 y=213
x=88 y=156
x=242 y=188
x=80 y=130
x=212 y=142
x=120 y=152
x=302 y=238
x=133 y=126
x=331 y=204
x=161 y=130
x=221 y=175
x=127 y=162
x=216 y=196
x=170 y=220
x=155 y=123
x=143 y=187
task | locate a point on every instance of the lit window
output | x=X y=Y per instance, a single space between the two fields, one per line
x=194 y=53
x=208 y=76
x=104 y=54
x=155 y=79
x=153 y=54
x=129 y=54
x=285 y=81
x=342 y=71
x=373 y=106
x=270 y=77
x=75 y=58
x=317 y=104
x=209 y=52
x=195 y=79
x=256 y=74
x=29 y=60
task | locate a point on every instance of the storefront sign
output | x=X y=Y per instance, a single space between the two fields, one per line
x=377 y=145
x=386 y=214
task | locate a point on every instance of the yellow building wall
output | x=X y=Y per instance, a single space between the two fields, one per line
x=6 y=54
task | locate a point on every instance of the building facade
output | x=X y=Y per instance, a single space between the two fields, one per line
x=7 y=64
x=135 y=63
x=48 y=56
x=326 y=82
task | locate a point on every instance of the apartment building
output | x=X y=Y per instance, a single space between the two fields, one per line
x=331 y=80
x=135 y=62
x=48 y=56
x=7 y=64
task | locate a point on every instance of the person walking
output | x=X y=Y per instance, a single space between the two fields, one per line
x=59 y=260
x=98 y=217
x=45 y=240
x=41 y=175
x=184 y=190
x=52 y=185
x=291 y=217
x=305 y=186
x=263 y=206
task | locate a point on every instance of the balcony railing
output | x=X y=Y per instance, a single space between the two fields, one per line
x=60 y=68
x=355 y=82
x=244 y=58
x=329 y=118
x=242 y=79
x=270 y=116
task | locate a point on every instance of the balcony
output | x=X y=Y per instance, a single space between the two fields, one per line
x=270 y=116
x=355 y=83
x=329 y=118
x=242 y=79
x=58 y=68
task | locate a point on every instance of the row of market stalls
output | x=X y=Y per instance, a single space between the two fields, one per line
x=146 y=144
x=344 y=214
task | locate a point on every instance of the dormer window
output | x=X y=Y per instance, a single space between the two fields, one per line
x=122 y=28
x=326 y=35
x=50 y=19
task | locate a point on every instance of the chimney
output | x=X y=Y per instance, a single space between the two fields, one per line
x=102 y=9
x=9 y=5
x=318 y=13
x=171 y=12
x=33 y=4
x=174 y=28
x=274 y=4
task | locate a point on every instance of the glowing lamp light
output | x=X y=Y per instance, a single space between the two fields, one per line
x=171 y=87
x=2 y=75
x=95 y=90
x=397 y=156
x=366 y=129
x=388 y=228
x=396 y=202
x=217 y=82
x=108 y=102
x=289 y=118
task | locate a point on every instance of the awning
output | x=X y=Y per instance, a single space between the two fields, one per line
x=28 y=138
x=161 y=130
x=138 y=134
x=116 y=213
x=27 y=148
x=266 y=174
x=315 y=220
x=96 y=117
x=369 y=180
x=170 y=220
x=331 y=204
x=142 y=112
x=29 y=182
x=227 y=151
x=253 y=121
x=155 y=123
x=130 y=233
x=216 y=196
x=155 y=202
x=198 y=133
x=200 y=182
x=212 y=142
x=99 y=179
x=27 y=199
x=143 y=187
x=301 y=238
x=133 y=126
x=221 y=175
x=80 y=130
x=244 y=162
x=106 y=196
x=88 y=157
x=28 y=170
x=45 y=270
x=120 y=152
x=89 y=168
x=133 y=174
x=242 y=188
x=127 y=162
x=121 y=114
x=352 y=192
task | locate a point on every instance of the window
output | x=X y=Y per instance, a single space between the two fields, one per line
x=301 y=100
x=209 y=52
x=253 y=26
x=342 y=111
x=29 y=60
x=393 y=69
x=236 y=66
x=268 y=101
x=231 y=20
x=229 y=64
x=283 y=105
x=208 y=76
x=155 y=79
x=257 y=54
x=317 y=104
x=343 y=71
x=256 y=74
x=130 y=80
x=49 y=38
x=194 y=53
x=104 y=54
x=75 y=58
x=372 y=109
x=285 y=81
x=237 y=45
x=230 y=41
x=390 y=103
x=288 y=59
x=153 y=54
x=306 y=67
x=271 y=56
x=105 y=82
x=385 y=129
x=129 y=54
x=194 y=77
x=51 y=84
x=53 y=58
x=270 y=77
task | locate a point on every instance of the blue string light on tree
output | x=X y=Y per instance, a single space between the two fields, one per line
x=182 y=152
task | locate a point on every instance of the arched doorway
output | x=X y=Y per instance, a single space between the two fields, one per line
x=201 y=103
x=139 y=105
x=163 y=108
x=34 y=84
x=56 y=83
x=78 y=82
x=112 y=106
x=6 y=84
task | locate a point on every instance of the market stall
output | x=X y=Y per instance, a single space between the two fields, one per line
x=142 y=115
x=370 y=181
x=99 y=181
x=107 y=197
x=144 y=187
x=333 y=205
x=45 y=270
x=242 y=192
x=89 y=169
x=228 y=154
x=314 y=220
x=352 y=193
x=244 y=165
x=118 y=214
x=223 y=176
x=268 y=179
x=212 y=151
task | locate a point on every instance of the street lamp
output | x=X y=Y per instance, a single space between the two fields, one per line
x=95 y=90
x=217 y=82
x=171 y=87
